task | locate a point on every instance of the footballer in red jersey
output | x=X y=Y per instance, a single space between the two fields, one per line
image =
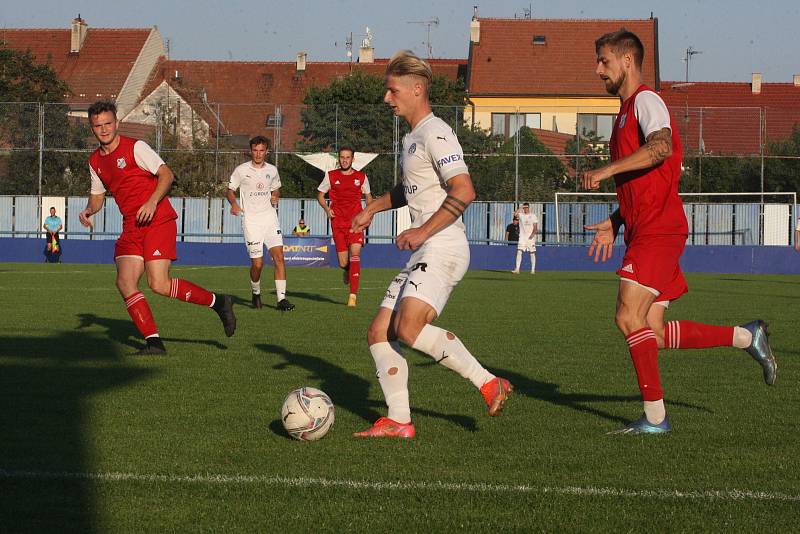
x=344 y=187
x=139 y=180
x=646 y=165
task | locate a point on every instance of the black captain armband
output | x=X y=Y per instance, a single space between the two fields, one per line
x=398 y=197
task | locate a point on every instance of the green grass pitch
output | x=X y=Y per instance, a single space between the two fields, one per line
x=95 y=440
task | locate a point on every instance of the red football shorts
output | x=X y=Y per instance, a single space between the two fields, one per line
x=654 y=262
x=342 y=238
x=148 y=242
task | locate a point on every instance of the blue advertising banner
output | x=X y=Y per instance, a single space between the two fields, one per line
x=305 y=251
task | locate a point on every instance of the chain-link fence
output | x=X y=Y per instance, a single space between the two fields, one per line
x=513 y=153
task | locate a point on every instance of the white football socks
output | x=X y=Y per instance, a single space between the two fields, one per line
x=533 y=263
x=255 y=287
x=393 y=378
x=280 y=289
x=519 y=260
x=654 y=411
x=447 y=349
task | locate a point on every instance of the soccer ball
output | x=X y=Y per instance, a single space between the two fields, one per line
x=307 y=414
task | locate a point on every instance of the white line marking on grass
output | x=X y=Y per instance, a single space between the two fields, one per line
x=465 y=487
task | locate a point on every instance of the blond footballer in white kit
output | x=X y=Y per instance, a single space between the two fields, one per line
x=528 y=227
x=259 y=186
x=437 y=188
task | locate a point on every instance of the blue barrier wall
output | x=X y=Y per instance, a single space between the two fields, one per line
x=708 y=259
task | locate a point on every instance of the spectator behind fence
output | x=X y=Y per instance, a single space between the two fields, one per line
x=301 y=230
x=52 y=247
x=512 y=231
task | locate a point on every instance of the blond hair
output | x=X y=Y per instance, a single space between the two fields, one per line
x=406 y=63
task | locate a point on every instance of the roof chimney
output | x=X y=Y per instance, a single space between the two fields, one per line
x=756 y=84
x=366 y=54
x=796 y=80
x=79 y=31
x=475 y=29
x=301 y=61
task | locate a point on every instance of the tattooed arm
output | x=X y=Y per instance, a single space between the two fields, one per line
x=460 y=193
x=657 y=149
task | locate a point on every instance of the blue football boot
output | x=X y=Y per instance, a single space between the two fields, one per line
x=643 y=426
x=760 y=350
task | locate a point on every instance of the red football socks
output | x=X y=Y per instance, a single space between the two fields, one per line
x=355 y=273
x=644 y=353
x=690 y=335
x=140 y=312
x=188 y=292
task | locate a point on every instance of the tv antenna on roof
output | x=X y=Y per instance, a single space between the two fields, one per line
x=688 y=58
x=430 y=22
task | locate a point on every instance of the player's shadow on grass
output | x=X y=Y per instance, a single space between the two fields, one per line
x=316 y=297
x=347 y=390
x=581 y=402
x=48 y=428
x=125 y=333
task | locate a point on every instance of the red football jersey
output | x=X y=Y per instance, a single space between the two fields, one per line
x=648 y=199
x=345 y=195
x=130 y=185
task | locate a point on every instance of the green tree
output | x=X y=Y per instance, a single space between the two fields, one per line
x=783 y=174
x=590 y=152
x=25 y=86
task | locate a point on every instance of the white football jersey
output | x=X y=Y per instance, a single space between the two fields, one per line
x=431 y=156
x=526 y=223
x=255 y=187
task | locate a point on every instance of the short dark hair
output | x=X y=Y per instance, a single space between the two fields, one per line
x=525 y=204
x=622 y=41
x=348 y=148
x=52 y=207
x=259 y=140
x=102 y=106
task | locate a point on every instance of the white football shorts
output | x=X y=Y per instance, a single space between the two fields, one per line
x=430 y=275
x=526 y=245
x=262 y=230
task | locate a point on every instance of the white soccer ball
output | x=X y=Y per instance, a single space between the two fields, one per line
x=307 y=414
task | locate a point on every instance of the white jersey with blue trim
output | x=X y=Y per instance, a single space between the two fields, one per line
x=432 y=155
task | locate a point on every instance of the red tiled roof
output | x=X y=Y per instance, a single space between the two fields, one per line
x=101 y=67
x=247 y=92
x=729 y=115
x=506 y=62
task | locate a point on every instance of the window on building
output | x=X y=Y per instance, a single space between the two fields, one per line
x=599 y=124
x=508 y=124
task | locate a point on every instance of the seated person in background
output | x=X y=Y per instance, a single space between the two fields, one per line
x=301 y=230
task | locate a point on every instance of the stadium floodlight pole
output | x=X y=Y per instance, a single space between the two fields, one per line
x=516 y=159
x=396 y=147
x=41 y=153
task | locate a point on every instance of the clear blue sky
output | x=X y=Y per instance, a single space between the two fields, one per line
x=736 y=37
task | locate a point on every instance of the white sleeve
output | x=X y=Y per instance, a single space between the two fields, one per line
x=651 y=112
x=146 y=158
x=276 y=181
x=365 y=186
x=235 y=180
x=534 y=219
x=325 y=185
x=97 y=184
x=446 y=155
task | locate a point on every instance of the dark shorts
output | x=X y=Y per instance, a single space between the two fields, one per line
x=654 y=262
x=148 y=242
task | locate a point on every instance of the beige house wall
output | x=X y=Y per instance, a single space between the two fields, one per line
x=557 y=113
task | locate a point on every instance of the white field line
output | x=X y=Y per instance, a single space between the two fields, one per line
x=456 y=487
